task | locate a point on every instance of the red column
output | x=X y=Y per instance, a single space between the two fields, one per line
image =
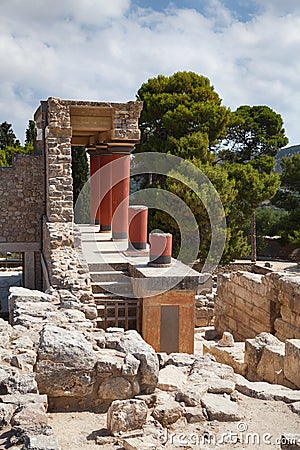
x=94 y=186
x=120 y=193
x=106 y=192
x=160 y=249
x=138 y=224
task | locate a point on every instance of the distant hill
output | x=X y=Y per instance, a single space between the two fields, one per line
x=285 y=152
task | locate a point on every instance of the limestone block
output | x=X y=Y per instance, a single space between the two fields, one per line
x=109 y=363
x=220 y=408
x=65 y=363
x=41 y=442
x=270 y=366
x=266 y=391
x=171 y=378
x=138 y=443
x=114 y=388
x=32 y=415
x=167 y=412
x=180 y=359
x=21 y=383
x=126 y=415
x=254 y=350
x=131 y=342
x=131 y=366
x=90 y=312
x=195 y=414
x=232 y=356
x=192 y=393
x=20 y=400
x=292 y=361
x=206 y=366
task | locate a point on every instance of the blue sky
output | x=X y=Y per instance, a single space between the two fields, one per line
x=104 y=50
x=242 y=9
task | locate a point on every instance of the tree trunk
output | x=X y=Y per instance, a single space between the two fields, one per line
x=253 y=238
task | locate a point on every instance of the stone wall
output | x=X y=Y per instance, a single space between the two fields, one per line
x=248 y=304
x=21 y=200
x=78 y=366
x=66 y=266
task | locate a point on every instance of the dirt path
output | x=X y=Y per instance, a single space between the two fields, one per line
x=262 y=427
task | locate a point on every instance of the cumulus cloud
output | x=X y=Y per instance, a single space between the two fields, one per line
x=99 y=50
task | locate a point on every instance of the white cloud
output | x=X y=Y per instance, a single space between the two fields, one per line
x=100 y=50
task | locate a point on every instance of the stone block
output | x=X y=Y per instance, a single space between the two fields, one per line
x=171 y=378
x=220 y=408
x=266 y=391
x=65 y=363
x=41 y=442
x=233 y=356
x=195 y=414
x=271 y=364
x=292 y=361
x=126 y=415
x=167 y=412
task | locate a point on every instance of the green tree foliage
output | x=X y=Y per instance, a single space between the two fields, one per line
x=7 y=136
x=180 y=109
x=80 y=173
x=254 y=135
x=288 y=198
x=10 y=145
x=30 y=135
x=253 y=131
x=268 y=220
x=183 y=115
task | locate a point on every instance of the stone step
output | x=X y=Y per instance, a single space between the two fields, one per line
x=104 y=267
x=118 y=287
x=109 y=275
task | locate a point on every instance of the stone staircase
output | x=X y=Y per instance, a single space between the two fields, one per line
x=116 y=304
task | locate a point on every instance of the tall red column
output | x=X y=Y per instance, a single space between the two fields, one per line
x=138 y=225
x=94 y=186
x=120 y=192
x=106 y=192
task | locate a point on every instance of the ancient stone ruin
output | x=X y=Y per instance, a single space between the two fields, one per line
x=96 y=328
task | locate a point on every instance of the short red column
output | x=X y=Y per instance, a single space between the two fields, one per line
x=120 y=194
x=94 y=186
x=106 y=192
x=160 y=249
x=138 y=224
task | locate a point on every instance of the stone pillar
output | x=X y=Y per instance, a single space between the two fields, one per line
x=138 y=224
x=94 y=186
x=106 y=192
x=58 y=162
x=120 y=191
x=160 y=249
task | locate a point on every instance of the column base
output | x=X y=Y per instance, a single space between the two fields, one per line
x=105 y=228
x=119 y=236
x=137 y=245
x=162 y=260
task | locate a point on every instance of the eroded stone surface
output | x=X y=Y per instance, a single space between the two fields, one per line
x=220 y=408
x=126 y=415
